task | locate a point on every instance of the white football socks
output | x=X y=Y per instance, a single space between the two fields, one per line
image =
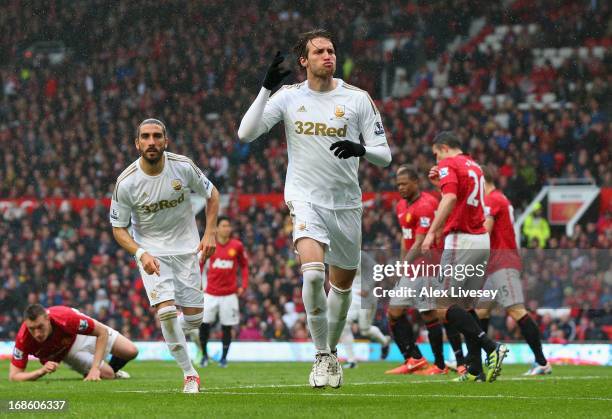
x=338 y=303
x=175 y=338
x=313 y=295
x=347 y=339
x=374 y=334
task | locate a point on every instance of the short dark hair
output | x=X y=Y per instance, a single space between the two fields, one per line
x=488 y=175
x=151 y=121
x=300 y=48
x=447 y=138
x=33 y=311
x=223 y=218
x=409 y=171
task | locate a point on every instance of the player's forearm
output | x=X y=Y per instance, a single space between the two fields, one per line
x=101 y=333
x=379 y=155
x=27 y=376
x=251 y=126
x=122 y=236
x=245 y=276
x=212 y=210
x=446 y=206
x=415 y=250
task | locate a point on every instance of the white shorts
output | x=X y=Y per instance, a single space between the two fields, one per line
x=339 y=230
x=421 y=301
x=179 y=280
x=81 y=355
x=363 y=316
x=225 y=306
x=508 y=284
x=463 y=250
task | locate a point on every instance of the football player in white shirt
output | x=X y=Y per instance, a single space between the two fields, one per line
x=324 y=118
x=153 y=194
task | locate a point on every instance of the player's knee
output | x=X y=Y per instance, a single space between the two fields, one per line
x=429 y=316
x=193 y=321
x=131 y=351
x=394 y=313
x=517 y=312
x=483 y=313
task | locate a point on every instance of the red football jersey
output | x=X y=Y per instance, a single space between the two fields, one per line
x=504 y=253
x=66 y=324
x=462 y=176
x=223 y=266
x=416 y=217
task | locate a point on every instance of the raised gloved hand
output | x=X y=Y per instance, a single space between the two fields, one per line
x=275 y=73
x=345 y=149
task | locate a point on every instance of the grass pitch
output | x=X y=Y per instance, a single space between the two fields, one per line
x=277 y=390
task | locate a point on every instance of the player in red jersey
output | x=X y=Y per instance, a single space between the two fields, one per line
x=503 y=273
x=460 y=216
x=221 y=289
x=415 y=212
x=62 y=333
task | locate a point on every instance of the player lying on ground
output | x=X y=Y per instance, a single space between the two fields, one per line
x=415 y=212
x=503 y=273
x=63 y=334
x=154 y=195
x=324 y=118
x=362 y=311
x=460 y=217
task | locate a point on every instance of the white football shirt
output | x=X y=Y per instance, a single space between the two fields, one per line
x=313 y=122
x=159 y=207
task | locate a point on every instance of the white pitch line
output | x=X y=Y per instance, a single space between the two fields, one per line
x=262 y=386
x=443 y=396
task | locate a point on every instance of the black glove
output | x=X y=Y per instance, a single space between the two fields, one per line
x=275 y=73
x=346 y=149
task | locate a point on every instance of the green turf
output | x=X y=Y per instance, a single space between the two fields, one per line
x=280 y=390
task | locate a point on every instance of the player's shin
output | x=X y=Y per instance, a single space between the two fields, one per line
x=532 y=336
x=434 y=330
x=315 y=303
x=204 y=334
x=226 y=340
x=404 y=337
x=338 y=303
x=347 y=339
x=175 y=339
x=454 y=339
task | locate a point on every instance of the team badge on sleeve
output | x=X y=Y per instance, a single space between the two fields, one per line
x=425 y=221
x=378 y=128
x=17 y=354
x=487 y=211
x=114 y=214
x=82 y=325
x=443 y=172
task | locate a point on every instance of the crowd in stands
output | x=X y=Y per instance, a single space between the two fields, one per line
x=66 y=130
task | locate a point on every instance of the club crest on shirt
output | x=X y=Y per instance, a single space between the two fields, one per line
x=231 y=252
x=301 y=226
x=154 y=295
x=339 y=111
x=177 y=185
